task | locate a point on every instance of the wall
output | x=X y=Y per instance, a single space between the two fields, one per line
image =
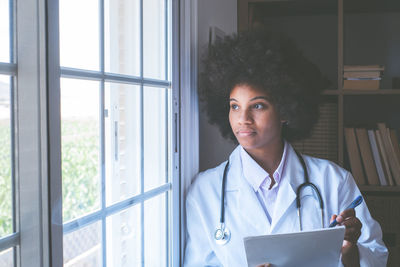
x=223 y=14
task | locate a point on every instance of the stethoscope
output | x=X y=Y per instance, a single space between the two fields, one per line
x=222 y=234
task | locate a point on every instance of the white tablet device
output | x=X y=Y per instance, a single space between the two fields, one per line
x=313 y=248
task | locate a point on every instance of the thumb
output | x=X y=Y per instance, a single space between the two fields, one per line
x=333 y=218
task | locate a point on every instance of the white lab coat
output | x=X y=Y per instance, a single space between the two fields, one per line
x=244 y=215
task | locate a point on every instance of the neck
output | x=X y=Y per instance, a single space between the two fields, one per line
x=268 y=157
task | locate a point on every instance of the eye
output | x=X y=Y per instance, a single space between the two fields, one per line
x=258 y=106
x=234 y=107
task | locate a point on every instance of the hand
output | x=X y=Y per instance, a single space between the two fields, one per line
x=350 y=256
x=264 y=265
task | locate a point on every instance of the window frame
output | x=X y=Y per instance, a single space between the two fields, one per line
x=10 y=69
x=55 y=144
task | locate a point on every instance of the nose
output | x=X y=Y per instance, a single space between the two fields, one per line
x=245 y=117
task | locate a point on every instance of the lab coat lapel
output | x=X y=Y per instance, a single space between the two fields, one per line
x=252 y=218
x=292 y=177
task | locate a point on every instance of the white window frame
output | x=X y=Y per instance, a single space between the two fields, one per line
x=189 y=119
x=39 y=234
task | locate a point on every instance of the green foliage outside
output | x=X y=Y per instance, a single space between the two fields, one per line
x=80 y=171
x=80 y=167
x=5 y=179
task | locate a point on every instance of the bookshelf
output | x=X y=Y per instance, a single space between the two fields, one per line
x=334 y=33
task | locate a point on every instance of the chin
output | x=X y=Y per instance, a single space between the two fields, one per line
x=246 y=144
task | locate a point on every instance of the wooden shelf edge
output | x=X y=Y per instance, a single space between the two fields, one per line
x=374 y=188
x=362 y=92
x=371 y=92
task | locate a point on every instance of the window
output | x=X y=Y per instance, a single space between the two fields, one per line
x=89 y=162
x=116 y=132
x=9 y=234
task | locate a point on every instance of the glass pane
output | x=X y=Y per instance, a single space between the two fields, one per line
x=80 y=147
x=124 y=238
x=155 y=119
x=79 y=34
x=4 y=31
x=7 y=258
x=5 y=158
x=154 y=41
x=122 y=141
x=122 y=36
x=83 y=247
x=155 y=231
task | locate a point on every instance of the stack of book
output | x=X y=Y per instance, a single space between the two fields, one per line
x=362 y=76
x=374 y=155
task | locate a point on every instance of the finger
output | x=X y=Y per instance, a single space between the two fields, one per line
x=264 y=265
x=345 y=214
x=333 y=218
x=353 y=229
x=352 y=234
x=352 y=222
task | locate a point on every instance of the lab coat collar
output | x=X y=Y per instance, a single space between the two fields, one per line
x=256 y=175
x=292 y=177
x=248 y=203
x=253 y=217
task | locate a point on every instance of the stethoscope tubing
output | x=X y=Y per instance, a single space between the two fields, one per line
x=223 y=229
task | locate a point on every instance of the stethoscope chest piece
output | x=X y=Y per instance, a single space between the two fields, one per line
x=222 y=235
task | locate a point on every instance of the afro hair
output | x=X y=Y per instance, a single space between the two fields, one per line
x=268 y=61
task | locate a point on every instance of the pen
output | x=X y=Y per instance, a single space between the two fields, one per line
x=353 y=204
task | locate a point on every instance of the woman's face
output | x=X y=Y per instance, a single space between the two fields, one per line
x=254 y=119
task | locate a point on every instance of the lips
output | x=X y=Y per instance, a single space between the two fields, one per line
x=245 y=132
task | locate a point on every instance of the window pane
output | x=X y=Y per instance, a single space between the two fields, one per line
x=155 y=119
x=122 y=36
x=7 y=258
x=5 y=158
x=154 y=39
x=83 y=247
x=122 y=141
x=155 y=231
x=4 y=31
x=124 y=238
x=80 y=147
x=79 y=34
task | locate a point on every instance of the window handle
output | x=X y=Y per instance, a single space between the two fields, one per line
x=116 y=140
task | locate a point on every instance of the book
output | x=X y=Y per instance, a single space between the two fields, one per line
x=377 y=158
x=366 y=156
x=354 y=156
x=362 y=74
x=361 y=84
x=363 y=68
x=387 y=143
x=395 y=143
x=384 y=158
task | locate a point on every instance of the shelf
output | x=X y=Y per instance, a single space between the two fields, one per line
x=371 y=6
x=372 y=92
x=293 y=8
x=362 y=92
x=317 y=7
x=374 y=188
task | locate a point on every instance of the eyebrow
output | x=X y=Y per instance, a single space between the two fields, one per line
x=254 y=98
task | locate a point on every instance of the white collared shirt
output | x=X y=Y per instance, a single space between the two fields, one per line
x=260 y=180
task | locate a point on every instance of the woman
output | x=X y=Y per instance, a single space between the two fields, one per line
x=261 y=92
